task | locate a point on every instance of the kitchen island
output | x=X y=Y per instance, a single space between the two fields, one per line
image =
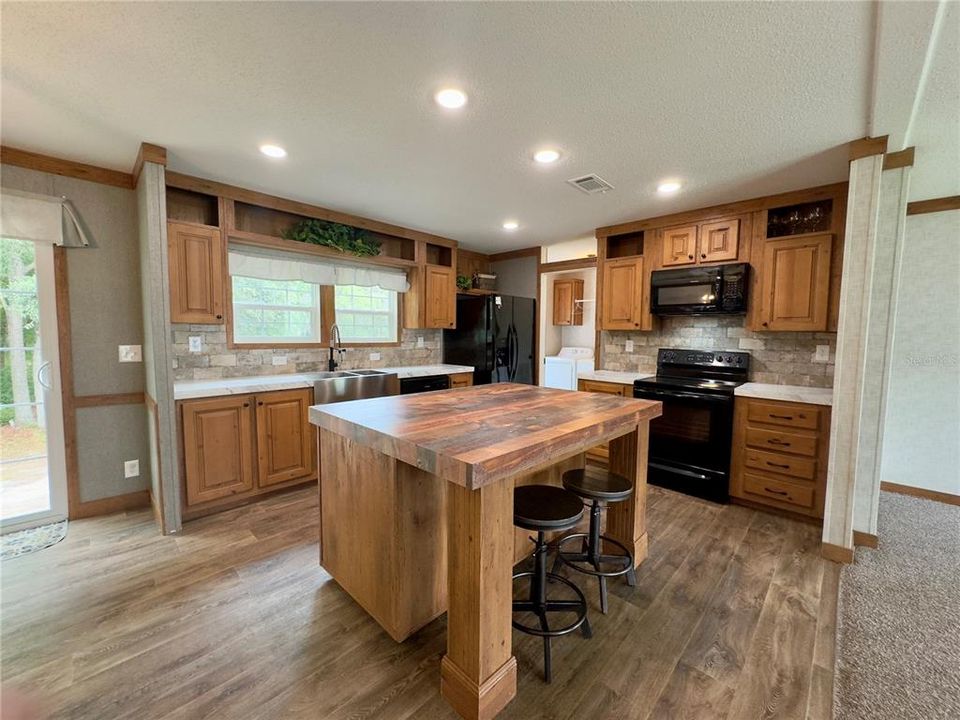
x=416 y=506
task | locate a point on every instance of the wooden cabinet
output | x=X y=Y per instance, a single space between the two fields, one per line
x=779 y=455
x=622 y=304
x=239 y=446
x=709 y=242
x=440 y=297
x=679 y=246
x=568 y=302
x=795 y=283
x=218 y=448
x=458 y=380
x=284 y=436
x=601 y=453
x=195 y=254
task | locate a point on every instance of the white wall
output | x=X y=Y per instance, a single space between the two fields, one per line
x=921 y=442
x=581 y=335
x=571 y=249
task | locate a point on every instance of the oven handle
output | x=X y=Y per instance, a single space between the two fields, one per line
x=678 y=471
x=658 y=395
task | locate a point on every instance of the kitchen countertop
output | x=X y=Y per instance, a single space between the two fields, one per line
x=787 y=393
x=613 y=376
x=190 y=389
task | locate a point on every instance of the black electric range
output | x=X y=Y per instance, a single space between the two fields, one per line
x=690 y=443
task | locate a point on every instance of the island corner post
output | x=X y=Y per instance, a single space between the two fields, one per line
x=411 y=530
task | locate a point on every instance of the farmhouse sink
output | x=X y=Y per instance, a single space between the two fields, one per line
x=343 y=385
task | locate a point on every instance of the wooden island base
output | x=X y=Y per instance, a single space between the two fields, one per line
x=414 y=525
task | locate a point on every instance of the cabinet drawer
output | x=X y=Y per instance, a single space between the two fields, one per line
x=603 y=387
x=779 y=490
x=781 y=441
x=783 y=464
x=787 y=415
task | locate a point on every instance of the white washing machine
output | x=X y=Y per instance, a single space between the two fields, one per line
x=561 y=370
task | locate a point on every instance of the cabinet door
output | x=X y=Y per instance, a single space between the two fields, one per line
x=440 y=295
x=622 y=294
x=562 y=302
x=217 y=447
x=795 y=282
x=679 y=246
x=284 y=440
x=719 y=241
x=196 y=273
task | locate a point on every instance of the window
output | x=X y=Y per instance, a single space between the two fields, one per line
x=275 y=311
x=366 y=314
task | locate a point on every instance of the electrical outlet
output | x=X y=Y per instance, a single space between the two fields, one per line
x=420 y=343
x=131 y=353
x=822 y=354
x=629 y=346
x=195 y=343
x=279 y=360
x=131 y=468
x=374 y=356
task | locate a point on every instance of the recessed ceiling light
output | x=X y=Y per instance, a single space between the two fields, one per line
x=668 y=186
x=274 y=151
x=451 y=98
x=510 y=225
x=546 y=156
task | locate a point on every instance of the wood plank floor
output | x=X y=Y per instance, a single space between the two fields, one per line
x=733 y=617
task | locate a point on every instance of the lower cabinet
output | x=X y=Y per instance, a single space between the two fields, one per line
x=461 y=380
x=240 y=446
x=601 y=453
x=779 y=455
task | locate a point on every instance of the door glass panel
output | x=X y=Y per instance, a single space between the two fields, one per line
x=24 y=477
x=685 y=295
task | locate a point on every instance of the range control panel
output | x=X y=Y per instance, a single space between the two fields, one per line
x=698 y=358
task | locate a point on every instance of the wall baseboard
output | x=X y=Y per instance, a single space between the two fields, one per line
x=934 y=495
x=864 y=539
x=836 y=553
x=106 y=506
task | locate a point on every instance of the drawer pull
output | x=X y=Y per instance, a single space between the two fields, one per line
x=775 y=492
x=779 y=465
x=778 y=441
x=782 y=417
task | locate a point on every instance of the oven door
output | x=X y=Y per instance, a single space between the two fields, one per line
x=686 y=292
x=690 y=442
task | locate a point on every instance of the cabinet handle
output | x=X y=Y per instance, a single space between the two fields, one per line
x=219 y=317
x=246 y=404
x=260 y=403
x=775 y=492
x=782 y=417
x=689 y=257
x=778 y=441
x=703 y=256
x=779 y=465
x=764 y=324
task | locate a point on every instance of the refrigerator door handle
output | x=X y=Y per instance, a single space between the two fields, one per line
x=514 y=352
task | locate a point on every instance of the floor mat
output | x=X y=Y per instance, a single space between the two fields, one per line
x=898 y=633
x=27 y=541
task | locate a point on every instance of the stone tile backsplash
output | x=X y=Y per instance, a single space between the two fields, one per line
x=218 y=361
x=781 y=358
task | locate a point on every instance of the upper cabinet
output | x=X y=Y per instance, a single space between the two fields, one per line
x=431 y=301
x=196 y=273
x=568 y=301
x=440 y=297
x=716 y=241
x=623 y=303
x=795 y=283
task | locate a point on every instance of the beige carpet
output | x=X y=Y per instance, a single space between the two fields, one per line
x=898 y=625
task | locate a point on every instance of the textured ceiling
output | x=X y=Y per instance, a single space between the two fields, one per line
x=736 y=100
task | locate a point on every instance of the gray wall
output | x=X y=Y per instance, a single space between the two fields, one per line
x=105 y=311
x=517 y=277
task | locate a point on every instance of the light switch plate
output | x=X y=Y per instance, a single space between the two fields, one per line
x=374 y=356
x=628 y=346
x=420 y=341
x=195 y=343
x=822 y=354
x=131 y=468
x=279 y=360
x=131 y=353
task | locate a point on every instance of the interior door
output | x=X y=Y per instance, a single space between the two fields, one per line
x=33 y=476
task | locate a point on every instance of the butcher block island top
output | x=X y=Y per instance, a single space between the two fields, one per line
x=477 y=435
x=416 y=509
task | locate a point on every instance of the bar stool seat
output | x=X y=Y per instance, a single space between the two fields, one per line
x=546 y=508
x=600 y=487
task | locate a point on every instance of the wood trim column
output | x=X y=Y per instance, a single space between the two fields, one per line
x=478 y=675
x=627 y=521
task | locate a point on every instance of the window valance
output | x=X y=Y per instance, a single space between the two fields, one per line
x=268 y=264
x=40 y=218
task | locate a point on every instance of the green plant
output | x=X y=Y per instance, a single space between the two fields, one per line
x=334 y=235
x=463 y=282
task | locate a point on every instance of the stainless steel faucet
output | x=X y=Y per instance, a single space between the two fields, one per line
x=335 y=346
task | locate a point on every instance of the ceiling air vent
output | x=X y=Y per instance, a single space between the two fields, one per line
x=591 y=184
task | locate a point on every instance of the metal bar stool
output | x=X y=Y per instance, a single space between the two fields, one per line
x=600 y=488
x=546 y=508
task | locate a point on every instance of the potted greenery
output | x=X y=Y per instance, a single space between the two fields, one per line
x=340 y=237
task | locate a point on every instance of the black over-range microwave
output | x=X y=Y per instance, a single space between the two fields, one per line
x=715 y=290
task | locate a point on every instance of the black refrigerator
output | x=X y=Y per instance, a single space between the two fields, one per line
x=495 y=335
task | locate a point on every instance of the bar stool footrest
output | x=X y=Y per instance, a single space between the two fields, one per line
x=579 y=605
x=570 y=558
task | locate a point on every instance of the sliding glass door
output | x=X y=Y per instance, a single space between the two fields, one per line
x=32 y=467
